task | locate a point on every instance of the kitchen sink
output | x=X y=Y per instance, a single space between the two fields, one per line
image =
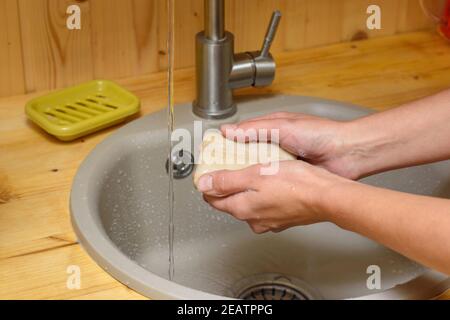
x=119 y=208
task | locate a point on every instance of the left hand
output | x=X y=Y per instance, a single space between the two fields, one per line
x=271 y=203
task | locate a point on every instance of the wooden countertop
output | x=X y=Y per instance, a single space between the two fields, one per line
x=37 y=243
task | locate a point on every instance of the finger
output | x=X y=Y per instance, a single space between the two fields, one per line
x=257 y=130
x=234 y=205
x=278 y=230
x=224 y=183
x=221 y=204
x=275 y=115
x=257 y=228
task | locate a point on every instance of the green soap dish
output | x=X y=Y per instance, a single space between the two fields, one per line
x=83 y=109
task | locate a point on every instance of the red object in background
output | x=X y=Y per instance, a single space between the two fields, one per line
x=445 y=27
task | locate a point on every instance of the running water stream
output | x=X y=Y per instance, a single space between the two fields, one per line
x=170 y=68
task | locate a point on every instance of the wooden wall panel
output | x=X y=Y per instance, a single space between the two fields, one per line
x=54 y=56
x=248 y=20
x=188 y=22
x=355 y=13
x=411 y=16
x=11 y=63
x=323 y=23
x=125 y=38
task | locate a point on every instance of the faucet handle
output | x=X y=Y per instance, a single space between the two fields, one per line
x=256 y=68
x=264 y=63
x=271 y=32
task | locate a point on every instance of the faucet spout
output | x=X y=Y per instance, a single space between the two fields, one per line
x=215 y=19
x=219 y=70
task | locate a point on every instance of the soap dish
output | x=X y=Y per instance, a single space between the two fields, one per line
x=74 y=112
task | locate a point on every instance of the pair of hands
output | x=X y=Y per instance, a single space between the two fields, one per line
x=294 y=195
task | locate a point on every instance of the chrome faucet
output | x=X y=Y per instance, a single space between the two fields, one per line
x=219 y=70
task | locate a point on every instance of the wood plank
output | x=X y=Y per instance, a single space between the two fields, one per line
x=122 y=39
x=323 y=22
x=188 y=22
x=54 y=56
x=36 y=239
x=248 y=20
x=43 y=275
x=11 y=64
x=444 y=296
x=411 y=17
x=125 y=37
x=355 y=19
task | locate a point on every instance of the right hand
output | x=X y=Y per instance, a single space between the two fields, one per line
x=319 y=141
x=294 y=196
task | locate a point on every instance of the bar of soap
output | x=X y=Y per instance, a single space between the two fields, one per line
x=218 y=153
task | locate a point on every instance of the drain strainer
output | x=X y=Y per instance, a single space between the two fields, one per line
x=272 y=292
x=183 y=164
x=275 y=287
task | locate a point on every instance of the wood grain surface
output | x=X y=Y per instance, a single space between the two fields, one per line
x=126 y=38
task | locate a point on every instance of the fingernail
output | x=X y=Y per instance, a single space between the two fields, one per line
x=205 y=184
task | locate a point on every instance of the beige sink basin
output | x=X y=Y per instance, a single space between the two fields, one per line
x=120 y=213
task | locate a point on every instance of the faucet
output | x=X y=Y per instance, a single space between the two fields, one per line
x=219 y=70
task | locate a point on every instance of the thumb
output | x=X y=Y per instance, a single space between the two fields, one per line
x=225 y=183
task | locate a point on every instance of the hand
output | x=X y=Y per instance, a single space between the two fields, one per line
x=271 y=203
x=318 y=141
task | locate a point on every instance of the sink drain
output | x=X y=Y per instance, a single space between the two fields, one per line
x=275 y=287
x=183 y=164
x=273 y=292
